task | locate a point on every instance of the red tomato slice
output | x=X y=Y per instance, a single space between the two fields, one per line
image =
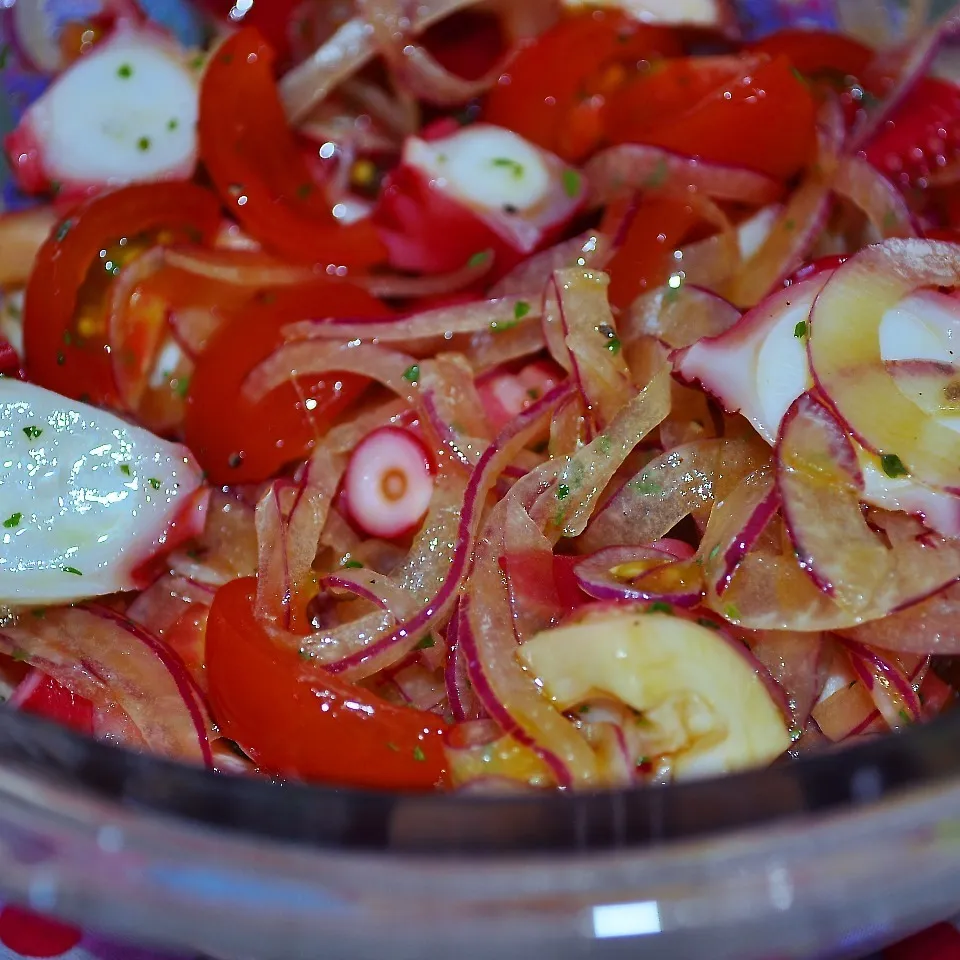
x=273 y=18
x=765 y=121
x=295 y=719
x=258 y=168
x=43 y=696
x=553 y=92
x=922 y=135
x=667 y=89
x=66 y=347
x=236 y=441
x=815 y=52
x=645 y=257
x=29 y=934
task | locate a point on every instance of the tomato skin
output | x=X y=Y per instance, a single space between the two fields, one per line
x=295 y=719
x=924 y=127
x=818 y=51
x=658 y=95
x=57 y=356
x=645 y=257
x=764 y=121
x=553 y=92
x=425 y=231
x=271 y=17
x=258 y=168
x=222 y=425
x=49 y=698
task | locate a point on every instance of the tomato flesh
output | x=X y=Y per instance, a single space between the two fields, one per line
x=237 y=440
x=258 y=167
x=554 y=91
x=295 y=719
x=70 y=353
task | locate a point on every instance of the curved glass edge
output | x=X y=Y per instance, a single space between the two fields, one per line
x=449 y=824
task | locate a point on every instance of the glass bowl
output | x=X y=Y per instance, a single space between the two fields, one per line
x=831 y=855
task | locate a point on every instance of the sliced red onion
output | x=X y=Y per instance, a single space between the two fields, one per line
x=374 y=587
x=483 y=759
x=113 y=662
x=888 y=685
x=463 y=701
x=596 y=574
x=591 y=343
x=796 y=663
x=654 y=501
x=849 y=712
x=678 y=316
x=483 y=315
x=881 y=202
x=844 y=346
x=419 y=687
x=628 y=167
x=590 y=249
x=388 y=483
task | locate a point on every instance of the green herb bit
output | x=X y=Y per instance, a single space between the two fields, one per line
x=708 y=623
x=352 y=565
x=419 y=755
x=125 y=470
x=614 y=345
x=32 y=432
x=732 y=612
x=660 y=607
x=155 y=483
x=72 y=570
x=19 y=655
x=714 y=553
x=143 y=144
x=563 y=491
x=571 y=182
x=800 y=330
x=479 y=258
x=893 y=466
x=13 y=521
x=65 y=227
x=904 y=716
x=795 y=734
x=172 y=124
x=393 y=747
x=583 y=708
x=412 y=374
x=520 y=309
x=181 y=387
x=512 y=165
x=427 y=642
x=125 y=71
x=644 y=486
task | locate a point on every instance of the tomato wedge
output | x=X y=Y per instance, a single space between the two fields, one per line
x=765 y=121
x=237 y=441
x=295 y=719
x=41 y=695
x=258 y=168
x=66 y=347
x=668 y=89
x=553 y=92
x=815 y=52
x=645 y=257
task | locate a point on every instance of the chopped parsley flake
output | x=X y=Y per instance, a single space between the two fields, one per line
x=893 y=466
x=125 y=470
x=800 y=330
x=904 y=716
x=172 y=124
x=563 y=491
x=708 y=623
x=181 y=387
x=714 y=553
x=419 y=755
x=427 y=642
x=660 y=607
x=571 y=182
x=32 y=432
x=479 y=258
x=352 y=565
x=583 y=708
x=72 y=570
x=613 y=345
x=513 y=166
x=125 y=71
x=645 y=486
x=13 y=521
x=521 y=309
x=732 y=612
x=412 y=374
x=155 y=483
x=143 y=144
